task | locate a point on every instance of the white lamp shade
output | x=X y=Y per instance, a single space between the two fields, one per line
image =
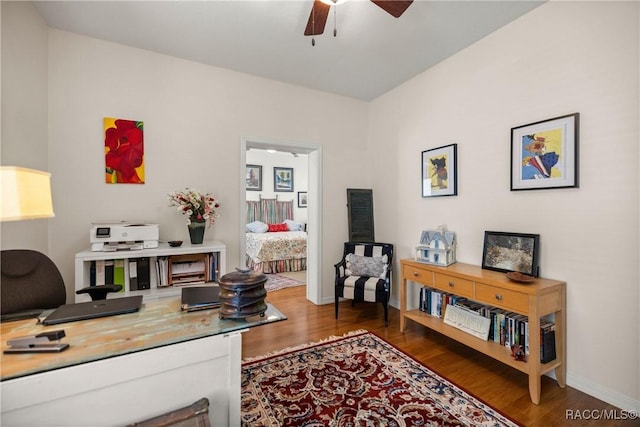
x=26 y=194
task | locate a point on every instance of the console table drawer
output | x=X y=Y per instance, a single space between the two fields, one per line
x=503 y=298
x=416 y=274
x=454 y=285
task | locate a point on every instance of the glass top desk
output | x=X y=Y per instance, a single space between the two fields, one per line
x=134 y=357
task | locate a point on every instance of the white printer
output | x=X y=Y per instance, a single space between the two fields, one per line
x=123 y=235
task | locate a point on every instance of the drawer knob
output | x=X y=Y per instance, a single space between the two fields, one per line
x=451 y=284
x=415 y=274
x=499 y=297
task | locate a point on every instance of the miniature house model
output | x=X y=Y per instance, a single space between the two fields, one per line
x=437 y=247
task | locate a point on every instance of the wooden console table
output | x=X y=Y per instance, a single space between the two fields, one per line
x=534 y=300
x=127 y=368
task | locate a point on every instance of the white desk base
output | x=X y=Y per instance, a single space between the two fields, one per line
x=132 y=387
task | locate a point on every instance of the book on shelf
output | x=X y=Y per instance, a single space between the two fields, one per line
x=108 y=271
x=547 y=341
x=139 y=274
x=92 y=274
x=215 y=269
x=162 y=271
x=100 y=272
x=119 y=273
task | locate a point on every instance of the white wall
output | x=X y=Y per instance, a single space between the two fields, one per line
x=24 y=112
x=561 y=58
x=194 y=117
x=281 y=159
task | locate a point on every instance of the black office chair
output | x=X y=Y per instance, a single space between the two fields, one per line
x=30 y=284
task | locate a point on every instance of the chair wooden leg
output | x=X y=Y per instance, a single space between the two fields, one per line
x=336 y=304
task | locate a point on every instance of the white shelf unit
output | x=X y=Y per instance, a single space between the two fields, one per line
x=84 y=259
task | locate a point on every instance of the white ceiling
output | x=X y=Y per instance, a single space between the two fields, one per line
x=372 y=53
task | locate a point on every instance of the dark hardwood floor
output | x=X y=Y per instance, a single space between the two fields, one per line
x=504 y=388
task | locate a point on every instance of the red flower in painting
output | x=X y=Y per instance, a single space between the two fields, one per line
x=125 y=144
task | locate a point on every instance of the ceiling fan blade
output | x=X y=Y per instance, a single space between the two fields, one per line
x=393 y=7
x=317 y=18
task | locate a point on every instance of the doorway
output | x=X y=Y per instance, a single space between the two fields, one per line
x=314 y=204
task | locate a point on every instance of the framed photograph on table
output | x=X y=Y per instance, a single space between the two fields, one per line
x=254 y=178
x=508 y=252
x=440 y=171
x=282 y=179
x=302 y=199
x=545 y=154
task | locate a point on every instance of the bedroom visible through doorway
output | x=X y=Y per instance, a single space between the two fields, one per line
x=280 y=181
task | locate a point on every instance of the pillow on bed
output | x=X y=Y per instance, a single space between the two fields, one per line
x=278 y=227
x=358 y=265
x=257 y=227
x=293 y=226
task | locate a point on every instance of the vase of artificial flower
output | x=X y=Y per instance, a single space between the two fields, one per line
x=201 y=210
x=196 y=230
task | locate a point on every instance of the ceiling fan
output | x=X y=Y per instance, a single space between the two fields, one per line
x=320 y=12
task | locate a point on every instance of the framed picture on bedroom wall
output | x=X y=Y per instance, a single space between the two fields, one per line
x=254 y=178
x=282 y=179
x=302 y=199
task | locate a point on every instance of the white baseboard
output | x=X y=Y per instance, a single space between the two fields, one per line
x=605 y=394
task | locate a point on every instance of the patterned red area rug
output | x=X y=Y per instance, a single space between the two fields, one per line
x=276 y=282
x=354 y=380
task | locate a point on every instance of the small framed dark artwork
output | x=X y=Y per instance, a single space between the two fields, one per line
x=440 y=171
x=545 y=154
x=254 y=178
x=282 y=179
x=302 y=199
x=509 y=252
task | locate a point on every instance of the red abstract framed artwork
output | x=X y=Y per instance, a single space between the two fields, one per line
x=124 y=151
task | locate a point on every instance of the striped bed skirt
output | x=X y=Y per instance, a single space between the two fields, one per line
x=278 y=266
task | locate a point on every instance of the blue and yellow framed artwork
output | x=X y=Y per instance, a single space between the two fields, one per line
x=544 y=154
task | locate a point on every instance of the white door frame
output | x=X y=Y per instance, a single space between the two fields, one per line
x=314 y=200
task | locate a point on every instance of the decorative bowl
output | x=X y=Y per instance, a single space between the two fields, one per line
x=516 y=276
x=175 y=243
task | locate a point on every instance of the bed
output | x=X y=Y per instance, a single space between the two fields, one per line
x=274 y=251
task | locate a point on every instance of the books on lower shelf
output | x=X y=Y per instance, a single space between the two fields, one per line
x=487 y=322
x=135 y=274
x=107 y=272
